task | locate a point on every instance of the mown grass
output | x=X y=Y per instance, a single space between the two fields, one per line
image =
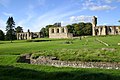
x=20 y=71
x=87 y=48
x=21 y=47
x=92 y=55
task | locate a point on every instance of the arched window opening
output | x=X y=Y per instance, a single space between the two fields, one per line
x=62 y=30
x=52 y=31
x=57 y=30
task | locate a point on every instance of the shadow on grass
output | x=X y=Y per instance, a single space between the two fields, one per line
x=14 y=73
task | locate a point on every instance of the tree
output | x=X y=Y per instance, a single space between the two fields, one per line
x=19 y=29
x=80 y=29
x=88 y=29
x=70 y=28
x=7 y=36
x=2 y=36
x=43 y=32
x=118 y=20
x=10 y=28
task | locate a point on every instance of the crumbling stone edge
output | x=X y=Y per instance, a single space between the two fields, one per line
x=53 y=61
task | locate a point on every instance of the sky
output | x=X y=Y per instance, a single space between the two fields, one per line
x=36 y=14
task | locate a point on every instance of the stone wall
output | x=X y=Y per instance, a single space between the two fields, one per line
x=76 y=64
x=28 y=35
x=59 y=32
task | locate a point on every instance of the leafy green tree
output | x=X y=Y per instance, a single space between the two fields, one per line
x=43 y=32
x=19 y=29
x=8 y=34
x=2 y=35
x=80 y=29
x=10 y=28
x=88 y=29
x=70 y=28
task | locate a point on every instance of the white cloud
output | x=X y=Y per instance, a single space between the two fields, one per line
x=49 y=18
x=108 y=1
x=103 y=7
x=98 y=5
x=81 y=18
x=7 y=14
x=2 y=25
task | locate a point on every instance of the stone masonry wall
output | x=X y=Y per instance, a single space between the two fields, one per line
x=75 y=64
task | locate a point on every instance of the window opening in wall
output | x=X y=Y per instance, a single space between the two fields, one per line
x=57 y=30
x=62 y=30
x=52 y=31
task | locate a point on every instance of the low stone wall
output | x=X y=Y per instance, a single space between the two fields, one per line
x=75 y=64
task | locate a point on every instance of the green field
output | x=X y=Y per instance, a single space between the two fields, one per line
x=87 y=49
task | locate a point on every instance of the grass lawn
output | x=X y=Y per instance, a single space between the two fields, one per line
x=85 y=49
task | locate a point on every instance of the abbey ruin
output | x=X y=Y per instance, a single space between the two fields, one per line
x=62 y=32
x=28 y=35
x=59 y=32
x=104 y=30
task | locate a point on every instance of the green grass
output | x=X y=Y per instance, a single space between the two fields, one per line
x=21 y=47
x=38 y=72
x=87 y=49
x=92 y=55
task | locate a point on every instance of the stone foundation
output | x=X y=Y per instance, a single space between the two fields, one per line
x=53 y=61
x=75 y=64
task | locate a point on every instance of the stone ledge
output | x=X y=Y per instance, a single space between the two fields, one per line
x=75 y=64
x=53 y=61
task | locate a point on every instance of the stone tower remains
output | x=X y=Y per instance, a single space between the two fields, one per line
x=94 y=24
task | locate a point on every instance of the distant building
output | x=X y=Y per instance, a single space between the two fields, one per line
x=104 y=30
x=28 y=35
x=62 y=32
x=59 y=32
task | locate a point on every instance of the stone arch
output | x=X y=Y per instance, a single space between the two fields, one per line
x=58 y=31
x=26 y=36
x=21 y=36
x=52 y=31
x=62 y=30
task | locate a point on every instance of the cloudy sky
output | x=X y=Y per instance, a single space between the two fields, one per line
x=35 y=14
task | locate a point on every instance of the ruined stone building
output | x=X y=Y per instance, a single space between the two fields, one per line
x=28 y=35
x=62 y=32
x=104 y=30
x=59 y=32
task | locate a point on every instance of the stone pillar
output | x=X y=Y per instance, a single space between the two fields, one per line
x=60 y=30
x=55 y=30
x=94 y=23
x=114 y=30
x=17 y=36
x=50 y=31
x=65 y=30
x=28 y=35
x=104 y=30
x=99 y=31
